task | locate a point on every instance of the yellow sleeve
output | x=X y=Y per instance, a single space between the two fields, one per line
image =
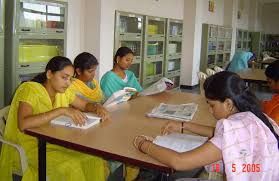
x=27 y=93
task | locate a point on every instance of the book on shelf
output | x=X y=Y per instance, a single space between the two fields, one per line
x=92 y=119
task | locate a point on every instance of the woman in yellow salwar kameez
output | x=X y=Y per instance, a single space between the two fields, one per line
x=86 y=87
x=84 y=84
x=36 y=103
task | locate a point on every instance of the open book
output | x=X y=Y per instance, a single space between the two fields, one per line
x=120 y=96
x=158 y=87
x=92 y=120
x=180 y=112
x=180 y=142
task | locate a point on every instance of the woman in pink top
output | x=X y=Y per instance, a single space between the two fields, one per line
x=244 y=138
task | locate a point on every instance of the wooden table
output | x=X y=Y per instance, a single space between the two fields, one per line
x=113 y=139
x=253 y=75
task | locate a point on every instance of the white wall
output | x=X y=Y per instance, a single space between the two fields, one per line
x=271 y=18
x=75 y=28
x=243 y=7
x=216 y=17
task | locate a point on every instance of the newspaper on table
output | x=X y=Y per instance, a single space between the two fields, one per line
x=180 y=112
x=180 y=142
x=158 y=87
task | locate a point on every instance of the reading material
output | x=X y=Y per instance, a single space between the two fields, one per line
x=158 y=87
x=181 y=112
x=180 y=142
x=120 y=96
x=92 y=120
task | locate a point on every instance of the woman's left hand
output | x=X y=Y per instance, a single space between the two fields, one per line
x=139 y=139
x=102 y=112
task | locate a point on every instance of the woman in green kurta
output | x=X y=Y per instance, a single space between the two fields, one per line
x=120 y=77
x=36 y=103
x=115 y=80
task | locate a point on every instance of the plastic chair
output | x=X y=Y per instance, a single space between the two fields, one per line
x=218 y=69
x=23 y=160
x=210 y=72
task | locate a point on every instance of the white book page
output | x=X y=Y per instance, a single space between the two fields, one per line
x=180 y=142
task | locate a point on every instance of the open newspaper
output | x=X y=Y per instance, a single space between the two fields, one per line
x=180 y=142
x=180 y=112
x=119 y=96
x=158 y=87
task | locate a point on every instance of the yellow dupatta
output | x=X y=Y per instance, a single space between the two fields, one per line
x=92 y=95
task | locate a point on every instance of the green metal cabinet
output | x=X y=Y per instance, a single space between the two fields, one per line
x=243 y=40
x=216 y=46
x=258 y=43
x=129 y=32
x=2 y=53
x=35 y=32
x=173 y=53
x=154 y=50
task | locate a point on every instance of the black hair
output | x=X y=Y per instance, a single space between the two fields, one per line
x=121 y=52
x=228 y=85
x=55 y=64
x=85 y=61
x=272 y=71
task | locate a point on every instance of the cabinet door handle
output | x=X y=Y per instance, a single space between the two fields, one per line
x=25 y=29
x=121 y=34
x=24 y=65
x=59 y=31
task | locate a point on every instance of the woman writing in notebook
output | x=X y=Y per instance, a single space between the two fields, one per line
x=120 y=77
x=243 y=136
x=36 y=103
x=84 y=84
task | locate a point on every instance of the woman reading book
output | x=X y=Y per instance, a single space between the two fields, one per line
x=120 y=77
x=84 y=84
x=244 y=138
x=36 y=103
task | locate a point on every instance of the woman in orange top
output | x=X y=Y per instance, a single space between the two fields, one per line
x=271 y=107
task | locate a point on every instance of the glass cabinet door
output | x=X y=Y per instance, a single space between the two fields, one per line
x=175 y=28
x=135 y=68
x=130 y=23
x=38 y=51
x=174 y=47
x=155 y=47
x=1 y=16
x=156 y=26
x=135 y=46
x=41 y=16
x=213 y=31
x=173 y=65
x=153 y=68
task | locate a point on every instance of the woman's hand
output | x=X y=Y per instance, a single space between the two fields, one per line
x=102 y=112
x=142 y=143
x=76 y=115
x=136 y=94
x=171 y=127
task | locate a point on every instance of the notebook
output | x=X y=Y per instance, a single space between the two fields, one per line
x=92 y=120
x=180 y=142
